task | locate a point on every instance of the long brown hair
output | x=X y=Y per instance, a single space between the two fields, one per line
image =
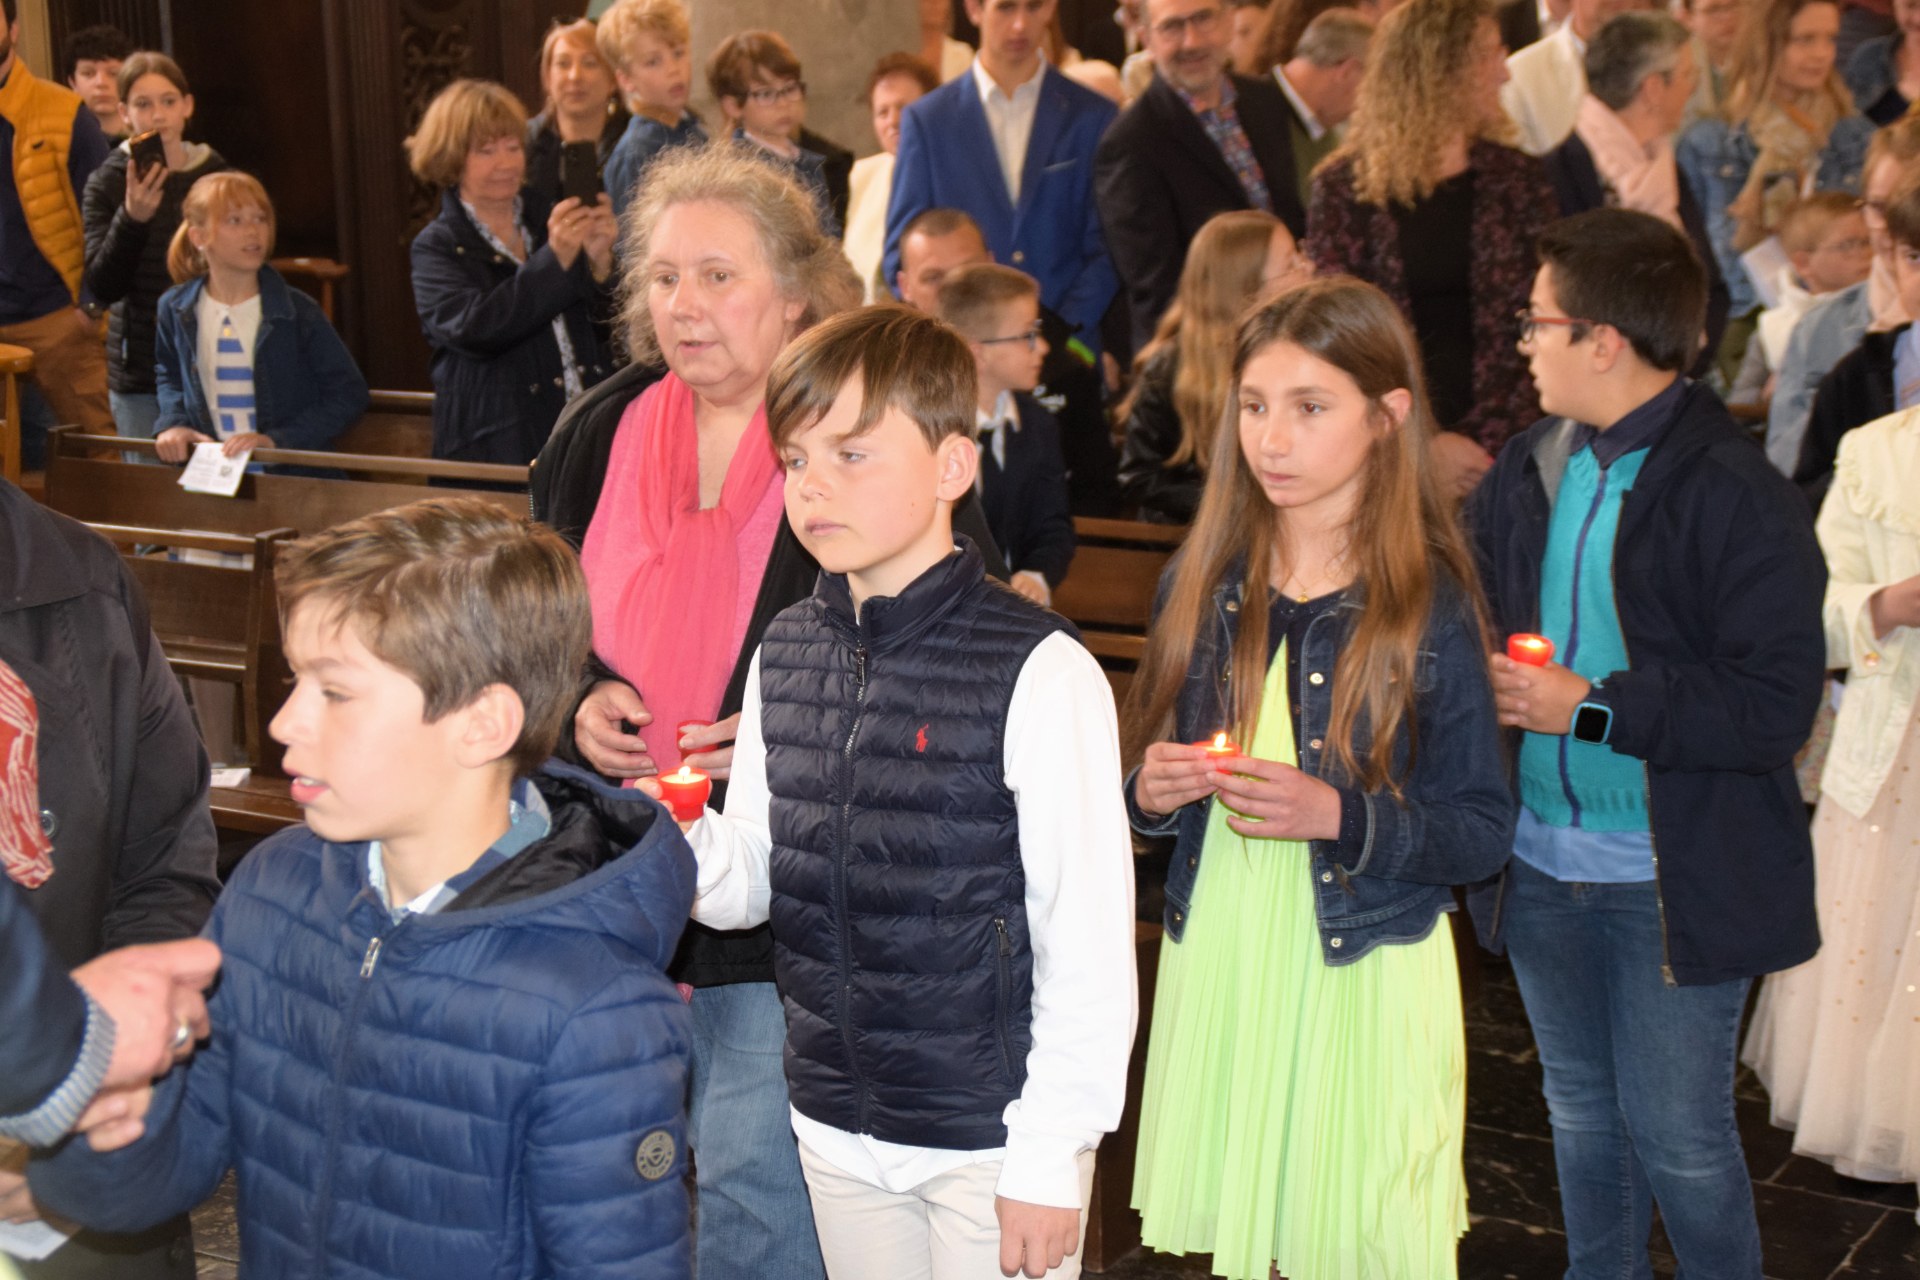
x=1222 y=277
x=1402 y=540
x=1756 y=61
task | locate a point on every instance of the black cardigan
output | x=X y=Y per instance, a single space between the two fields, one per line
x=1855 y=392
x=565 y=489
x=1164 y=495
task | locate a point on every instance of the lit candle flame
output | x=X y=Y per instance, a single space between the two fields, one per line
x=685 y=774
x=1220 y=741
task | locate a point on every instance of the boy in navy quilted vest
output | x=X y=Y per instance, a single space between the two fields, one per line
x=925 y=800
x=444 y=1045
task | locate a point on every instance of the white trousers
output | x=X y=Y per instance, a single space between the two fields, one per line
x=943 y=1229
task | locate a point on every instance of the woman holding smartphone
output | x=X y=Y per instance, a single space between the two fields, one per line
x=130 y=210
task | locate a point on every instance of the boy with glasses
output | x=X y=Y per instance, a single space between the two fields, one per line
x=755 y=78
x=1023 y=479
x=1661 y=860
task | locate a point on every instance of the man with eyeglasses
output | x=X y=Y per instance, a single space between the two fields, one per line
x=1200 y=141
x=1011 y=143
x=1548 y=79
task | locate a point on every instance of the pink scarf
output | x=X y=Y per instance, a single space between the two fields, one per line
x=663 y=574
x=1643 y=177
x=24 y=851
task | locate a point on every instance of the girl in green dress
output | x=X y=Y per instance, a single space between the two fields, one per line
x=1305 y=1088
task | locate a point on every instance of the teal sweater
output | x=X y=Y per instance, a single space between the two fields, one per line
x=1563 y=782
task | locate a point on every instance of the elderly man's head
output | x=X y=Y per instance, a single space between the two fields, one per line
x=1641 y=67
x=1187 y=40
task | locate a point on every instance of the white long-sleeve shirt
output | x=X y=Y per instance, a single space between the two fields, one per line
x=1062 y=763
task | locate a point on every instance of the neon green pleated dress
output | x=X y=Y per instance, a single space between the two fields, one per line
x=1298 y=1115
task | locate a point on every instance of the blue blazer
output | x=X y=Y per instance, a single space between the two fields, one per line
x=947 y=160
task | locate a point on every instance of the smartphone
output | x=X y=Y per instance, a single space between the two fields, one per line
x=580 y=172
x=148 y=150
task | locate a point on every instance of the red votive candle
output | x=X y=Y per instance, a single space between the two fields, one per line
x=1534 y=651
x=1220 y=746
x=680 y=730
x=684 y=792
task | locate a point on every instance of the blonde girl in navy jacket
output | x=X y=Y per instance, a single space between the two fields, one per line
x=287 y=380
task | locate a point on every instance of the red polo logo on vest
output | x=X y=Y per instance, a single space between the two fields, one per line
x=920 y=740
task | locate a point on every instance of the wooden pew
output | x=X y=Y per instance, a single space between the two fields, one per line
x=397 y=424
x=1108 y=593
x=215 y=621
x=87 y=480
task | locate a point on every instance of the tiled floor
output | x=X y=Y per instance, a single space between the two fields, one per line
x=1816 y=1225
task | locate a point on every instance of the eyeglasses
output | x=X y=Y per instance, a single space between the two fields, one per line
x=1201 y=23
x=1031 y=337
x=1529 y=322
x=791 y=91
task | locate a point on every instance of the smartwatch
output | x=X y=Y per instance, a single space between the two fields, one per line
x=1592 y=721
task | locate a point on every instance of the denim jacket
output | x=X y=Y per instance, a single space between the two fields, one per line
x=1716 y=157
x=1455 y=824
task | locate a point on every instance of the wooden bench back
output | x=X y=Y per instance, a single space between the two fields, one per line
x=1108 y=593
x=215 y=620
x=90 y=487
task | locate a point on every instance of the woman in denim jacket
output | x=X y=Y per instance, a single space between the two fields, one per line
x=1306 y=1055
x=1789 y=128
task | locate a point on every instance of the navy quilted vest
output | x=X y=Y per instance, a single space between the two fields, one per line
x=899 y=924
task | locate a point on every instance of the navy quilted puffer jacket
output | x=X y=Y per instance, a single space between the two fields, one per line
x=493 y=1091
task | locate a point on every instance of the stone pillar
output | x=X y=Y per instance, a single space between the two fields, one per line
x=837 y=41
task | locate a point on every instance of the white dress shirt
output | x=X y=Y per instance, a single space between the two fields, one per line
x=1010 y=120
x=1062 y=763
x=1315 y=129
x=1543 y=97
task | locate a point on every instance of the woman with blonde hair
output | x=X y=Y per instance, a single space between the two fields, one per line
x=1787 y=128
x=506 y=282
x=1427 y=199
x=1304 y=1104
x=665 y=477
x=583 y=104
x=1181 y=377
x=240 y=357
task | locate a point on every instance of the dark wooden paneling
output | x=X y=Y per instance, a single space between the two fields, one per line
x=144 y=21
x=315 y=97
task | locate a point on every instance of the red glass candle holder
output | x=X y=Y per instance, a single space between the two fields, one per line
x=685 y=792
x=1534 y=651
x=1220 y=747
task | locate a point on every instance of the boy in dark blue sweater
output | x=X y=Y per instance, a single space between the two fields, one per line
x=443 y=1045
x=925 y=801
x=1662 y=858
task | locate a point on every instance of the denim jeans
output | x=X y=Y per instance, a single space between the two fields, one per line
x=754 y=1219
x=1639 y=1082
x=135 y=413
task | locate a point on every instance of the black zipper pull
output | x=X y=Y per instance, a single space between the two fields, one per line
x=860 y=666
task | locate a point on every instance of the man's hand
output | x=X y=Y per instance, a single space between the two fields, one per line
x=117 y=1117
x=1537 y=699
x=597 y=732
x=151 y=992
x=1034 y=1238
x=1458 y=462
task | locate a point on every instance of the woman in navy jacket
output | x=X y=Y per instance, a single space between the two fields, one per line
x=506 y=285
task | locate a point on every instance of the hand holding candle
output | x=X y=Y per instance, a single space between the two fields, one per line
x=1532 y=650
x=684 y=792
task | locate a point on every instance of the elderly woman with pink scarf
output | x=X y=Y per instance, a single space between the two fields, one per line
x=1641 y=71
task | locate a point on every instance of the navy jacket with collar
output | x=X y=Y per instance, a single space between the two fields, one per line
x=1455 y=825
x=497 y=381
x=1025 y=501
x=306 y=387
x=1719 y=583
x=901 y=942
x=947 y=160
x=497 y=1090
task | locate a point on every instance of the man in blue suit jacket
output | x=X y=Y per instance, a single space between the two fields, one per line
x=1012 y=143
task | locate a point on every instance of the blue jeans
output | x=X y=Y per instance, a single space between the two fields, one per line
x=134 y=413
x=754 y=1219
x=1639 y=1082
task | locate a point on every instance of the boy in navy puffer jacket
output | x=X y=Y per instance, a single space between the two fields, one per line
x=925 y=801
x=444 y=1046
